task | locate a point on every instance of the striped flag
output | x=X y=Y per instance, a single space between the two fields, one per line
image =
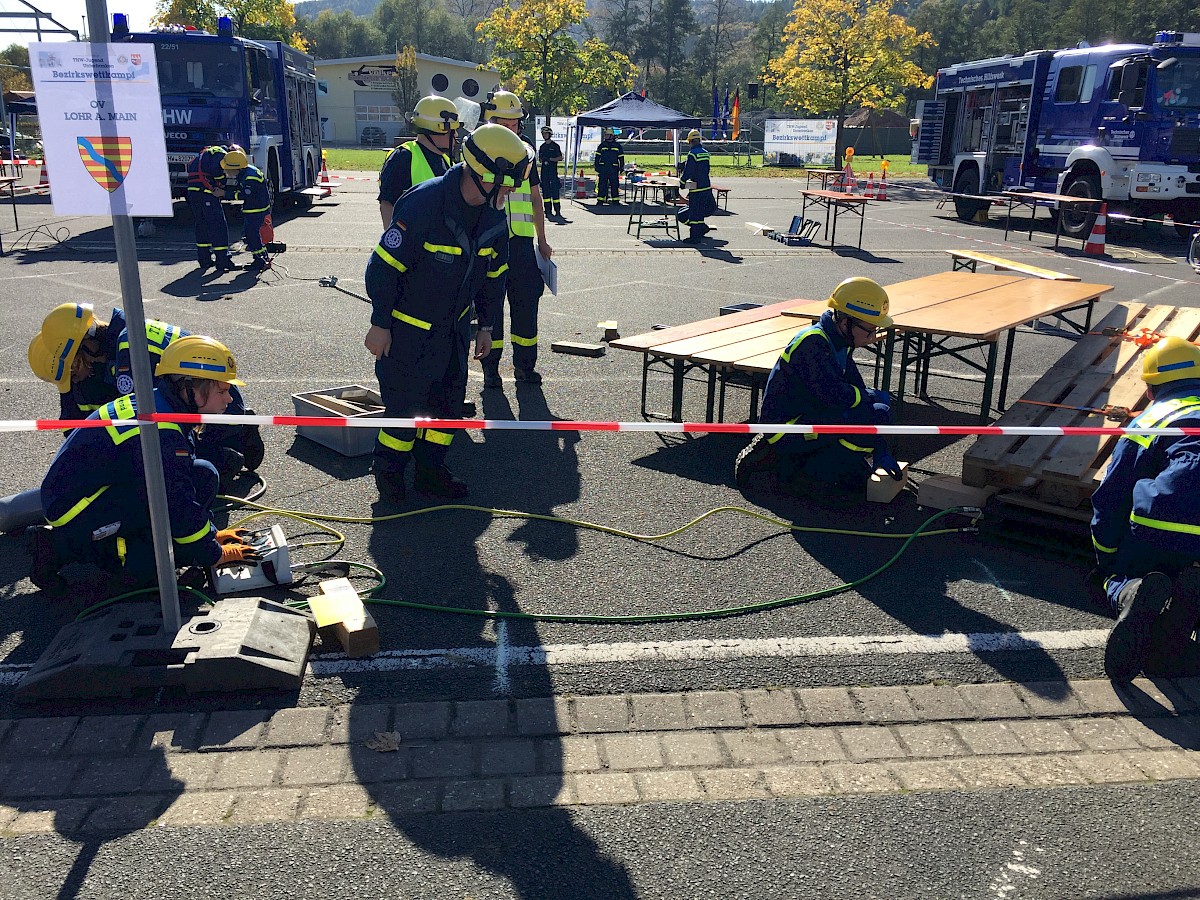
x=736 y=126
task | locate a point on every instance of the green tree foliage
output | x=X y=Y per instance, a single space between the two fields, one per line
x=17 y=78
x=341 y=35
x=268 y=20
x=404 y=82
x=535 y=50
x=840 y=55
x=426 y=25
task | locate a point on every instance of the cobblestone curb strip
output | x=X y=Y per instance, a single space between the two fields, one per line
x=107 y=774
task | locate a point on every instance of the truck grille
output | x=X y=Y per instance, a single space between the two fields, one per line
x=1185 y=142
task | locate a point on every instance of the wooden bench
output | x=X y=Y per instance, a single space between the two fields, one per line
x=1097 y=372
x=721 y=193
x=969 y=259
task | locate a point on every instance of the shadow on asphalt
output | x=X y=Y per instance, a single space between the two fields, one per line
x=442 y=559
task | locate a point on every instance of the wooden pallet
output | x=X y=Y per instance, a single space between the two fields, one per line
x=1096 y=372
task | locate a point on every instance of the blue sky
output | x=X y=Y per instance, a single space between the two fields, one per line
x=71 y=12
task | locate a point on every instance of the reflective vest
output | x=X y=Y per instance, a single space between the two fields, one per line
x=520 y=211
x=120 y=409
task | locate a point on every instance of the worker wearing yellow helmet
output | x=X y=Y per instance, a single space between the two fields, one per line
x=526 y=224
x=94 y=494
x=435 y=120
x=695 y=179
x=816 y=382
x=205 y=191
x=441 y=262
x=87 y=359
x=1146 y=524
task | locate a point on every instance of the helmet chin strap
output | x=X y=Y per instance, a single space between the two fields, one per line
x=489 y=197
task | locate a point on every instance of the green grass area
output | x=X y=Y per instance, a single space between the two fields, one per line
x=356 y=160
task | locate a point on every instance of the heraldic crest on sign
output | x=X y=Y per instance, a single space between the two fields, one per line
x=106 y=159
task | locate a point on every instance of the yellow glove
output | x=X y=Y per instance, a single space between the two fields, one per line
x=235 y=553
x=238 y=535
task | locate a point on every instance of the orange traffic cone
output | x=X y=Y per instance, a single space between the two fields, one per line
x=870 y=195
x=881 y=193
x=1095 y=241
x=43 y=177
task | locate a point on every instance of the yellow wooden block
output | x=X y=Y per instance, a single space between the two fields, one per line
x=339 y=609
x=883 y=488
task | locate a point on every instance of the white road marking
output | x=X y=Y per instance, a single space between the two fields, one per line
x=1017 y=872
x=501 y=684
x=503 y=656
x=44 y=275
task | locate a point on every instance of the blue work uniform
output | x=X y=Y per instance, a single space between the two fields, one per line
x=524 y=282
x=816 y=382
x=1145 y=517
x=114 y=378
x=701 y=202
x=254 y=190
x=204 y=176
x=609 y=161
x=94 y=493
x=437 y=263
x=410 y=163
x=550 y=155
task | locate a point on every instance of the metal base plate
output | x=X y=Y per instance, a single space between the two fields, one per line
x=238 y=644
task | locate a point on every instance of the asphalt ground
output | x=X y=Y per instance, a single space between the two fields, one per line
x=292 y=335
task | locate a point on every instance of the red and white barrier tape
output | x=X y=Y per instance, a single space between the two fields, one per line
x=653 y=427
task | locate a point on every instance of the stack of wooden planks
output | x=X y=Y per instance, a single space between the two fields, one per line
x=1099 y=372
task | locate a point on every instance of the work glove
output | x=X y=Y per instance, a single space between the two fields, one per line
x=236 y=553
x=884 y=460
x=877 y=397
x=233 y=535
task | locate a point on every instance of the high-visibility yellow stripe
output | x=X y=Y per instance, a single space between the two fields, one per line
x=394 y=443
x=1099 y=546
x=443 y=248
x=437 y=437
x=122 y=549
x=857 y=449
x=857 y=396
x=801 y=335
x=246 y=211
x=488 y=251
x=390 y=260
x=76 y=509
x=524 y=341
x=192 y=538
x=411 y=320
x=497 y=343
x=775 y=437
x=500 y=271
x=1163 y=525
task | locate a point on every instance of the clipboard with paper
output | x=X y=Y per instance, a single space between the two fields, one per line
x=549 y=270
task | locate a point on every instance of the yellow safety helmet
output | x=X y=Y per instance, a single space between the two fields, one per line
x=435 y=114
x=199 y=357
x=234 y=160
x=502 y=105
x=1171 y=359
x=52 y=350
x=693 y=135
x=862 y=299
x=496 y=155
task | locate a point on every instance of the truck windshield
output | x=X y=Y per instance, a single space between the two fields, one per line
x=202 y=70
x=1179 y=85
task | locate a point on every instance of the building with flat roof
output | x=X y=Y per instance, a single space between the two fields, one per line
x=354 y=95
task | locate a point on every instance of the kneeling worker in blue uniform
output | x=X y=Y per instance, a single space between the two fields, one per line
x=444 y=257
x=815 y=382
x=94 y=494
x=250 y=185
x=1146 y=524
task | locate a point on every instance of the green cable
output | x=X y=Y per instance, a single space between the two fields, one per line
x=96 y=607
x=316 y=518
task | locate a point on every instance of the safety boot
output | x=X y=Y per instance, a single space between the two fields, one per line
x=529 y=376
x=253 y=449
x=1173 y=652
x=389 y=481
x=44 y=560
x=491 y=374
x=757 y=456
x=260 y=264
x=1142 y=601
x=438 y=481
x=224 y=263
x=205 y=260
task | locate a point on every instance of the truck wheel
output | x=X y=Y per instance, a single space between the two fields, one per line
x=967 y=182
x=1075 y=223
x=273 y=177
x=1184 y=230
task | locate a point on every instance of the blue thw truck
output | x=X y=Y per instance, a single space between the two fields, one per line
x=224 y=89
x=1120 y=122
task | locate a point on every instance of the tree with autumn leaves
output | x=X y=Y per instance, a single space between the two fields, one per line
x=268 y=20
x=536 y=52
x=840 y=55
